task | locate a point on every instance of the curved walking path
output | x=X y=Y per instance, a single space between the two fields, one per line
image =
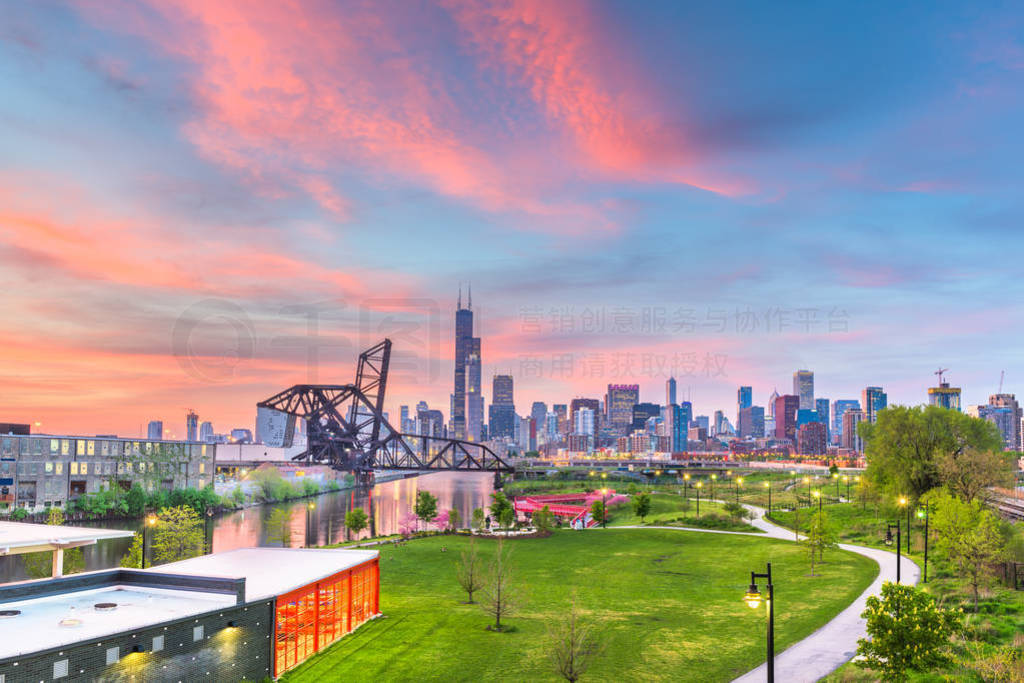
x=835 y=643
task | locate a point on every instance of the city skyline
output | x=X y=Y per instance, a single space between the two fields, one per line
x=176 y=228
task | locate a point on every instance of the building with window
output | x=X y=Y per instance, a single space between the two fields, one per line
x=246 y=614
x=873 y=400
x=803 y=387
x=45 y=470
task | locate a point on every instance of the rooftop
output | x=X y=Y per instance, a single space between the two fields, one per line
x=20 y=537
x=66 y=618
x=269 y=572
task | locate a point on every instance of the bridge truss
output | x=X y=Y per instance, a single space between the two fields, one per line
x=346 y=427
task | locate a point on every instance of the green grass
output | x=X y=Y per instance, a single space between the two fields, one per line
x=666 y=603
x=673 y=509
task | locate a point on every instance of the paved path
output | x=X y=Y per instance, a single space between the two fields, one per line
x=835 y=643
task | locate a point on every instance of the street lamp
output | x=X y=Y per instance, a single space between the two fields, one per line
x=604 y=508
x=206 y=526
x=922 y=513
x=309 y=509
x=888 y=541
x=817 y=494
x=835 y=475
x=807 y=480
x=150 y=521
x=686 y=484
x=768 y=485
x=739 y=483
x=846 y=480
x=753 y=598
x=714 y=478
x=698 y=485
x=904 y=502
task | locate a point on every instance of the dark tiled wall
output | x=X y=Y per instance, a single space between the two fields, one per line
x=223 y=654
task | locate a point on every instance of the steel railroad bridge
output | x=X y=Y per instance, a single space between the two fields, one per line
x=346 y=428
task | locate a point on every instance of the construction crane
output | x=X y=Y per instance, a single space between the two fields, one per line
x=939 y=373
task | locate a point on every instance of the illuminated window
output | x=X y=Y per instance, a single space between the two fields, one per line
x=90 y=448
x=49 y=468
x=83 y=468
x=158 y=643
x=202 y=468
x=60 y=468
x=65 y=447
x=80 y=447
x=197 y=633
x=60 y=669
x=54 y=446
x=113 y=654
x=74 y=468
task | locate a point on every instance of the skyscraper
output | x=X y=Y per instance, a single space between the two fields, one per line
x=786 y=408
x=811 y=439
x=670 y=391
x=771 y=403
x=944 y=396
x=593 y=404
x=620 y=400
x=643 y=412
x=502 y=412
x=1011 y=434
x=155 y=430
x=467 y=375
x=206 y=432
x=873 y=399
x=803 y=387
x=562 y=411
x=539 y=411
x=851 y=439
x=751 y=422
x=840 y=406
x=191 y=426
x=821 y=407
x=744 y=399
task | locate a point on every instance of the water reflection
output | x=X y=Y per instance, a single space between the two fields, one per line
x=387 y=504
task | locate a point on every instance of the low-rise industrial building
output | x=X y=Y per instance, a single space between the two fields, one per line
x=245 y=614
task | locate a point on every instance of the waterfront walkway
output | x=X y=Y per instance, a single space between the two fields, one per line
x=835 y=643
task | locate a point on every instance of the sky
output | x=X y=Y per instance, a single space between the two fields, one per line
x=202 y=203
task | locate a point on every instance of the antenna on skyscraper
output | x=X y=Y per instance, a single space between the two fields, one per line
x=470 y=305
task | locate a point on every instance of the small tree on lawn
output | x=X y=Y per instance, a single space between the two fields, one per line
x=820 y=537
x=499 y=503
x=573 y=645
x=469 y=571
x=133 y=558
x=736 y=511
x=970 y=537
x=356 y=520
x=641 y=505
x=908 y=632
x=507 y=518
x=279 y=527
x=598 y=511
x=478 y=519
x=426 y=506
x=543 y=519
x=500 y=598
x=178 y=535
x=454 y=519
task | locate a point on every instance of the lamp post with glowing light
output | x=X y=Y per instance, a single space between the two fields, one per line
x=206 y=526
x=150 y=521
x=739 y=483
x=904 y=502
x=817 y=494
x=888 y=541
x=922 y=513
x=697 y=486
x=714 y=478
x=768 y=485
x=807 y=480
x=686 y=485
x=309 y=510
x=835 y=476
x=753 y=598
x=846 y=480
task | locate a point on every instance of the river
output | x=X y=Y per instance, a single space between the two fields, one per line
x=387 y=504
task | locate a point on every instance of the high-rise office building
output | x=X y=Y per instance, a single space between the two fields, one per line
x=539 y=411
x=593 y=404
x=786 y=408
x=751 y=422
x=873 y=400
x=670 y=391
x=585 y=423
x=1011 y=433
x=620 y=400
x=501 y=415
x=677 y=426
x=155 y=432
x=744 y=399
x=191 y=426
x=562 y=411
x=771 y=403
x=821 y=407
x=643 y=412
x=467 y=374
x=811 y=439
x=703 y=422
x=851 y=439
x=404 y=424
x=803 y=386
x=206 y=432
x=840 y=406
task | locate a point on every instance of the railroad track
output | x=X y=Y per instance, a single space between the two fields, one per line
x=1009 y=507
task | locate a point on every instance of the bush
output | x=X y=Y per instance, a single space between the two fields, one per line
x=19 y=514
x=310 y=487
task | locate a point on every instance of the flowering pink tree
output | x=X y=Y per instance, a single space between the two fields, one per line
x=408 y=524
x=442 y=520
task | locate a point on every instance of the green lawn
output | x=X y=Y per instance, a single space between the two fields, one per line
x=667 y=604
x=674 y=509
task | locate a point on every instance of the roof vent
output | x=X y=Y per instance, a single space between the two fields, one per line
x=8 y=613
x=105 y=606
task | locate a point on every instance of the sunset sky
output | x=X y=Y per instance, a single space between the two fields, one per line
x=202 y=203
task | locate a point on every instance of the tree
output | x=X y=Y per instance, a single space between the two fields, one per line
x=507 y=518
x=904 y=446
x=543 y=519
x=969 y=536
x=356 y=520
x=500 y=596
x=908 y=632
x=820 y=537
x=454 y=519
x=279 y=527
x=642 y=505
x=178 y=535
x=478 y=519
x=133 y=558
x=599 y=512
x=136 y=500
x=499 y=502
x=469 y=571
x=573 y=645
x=736 y=511
x=969 y=474
x=426 y=506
